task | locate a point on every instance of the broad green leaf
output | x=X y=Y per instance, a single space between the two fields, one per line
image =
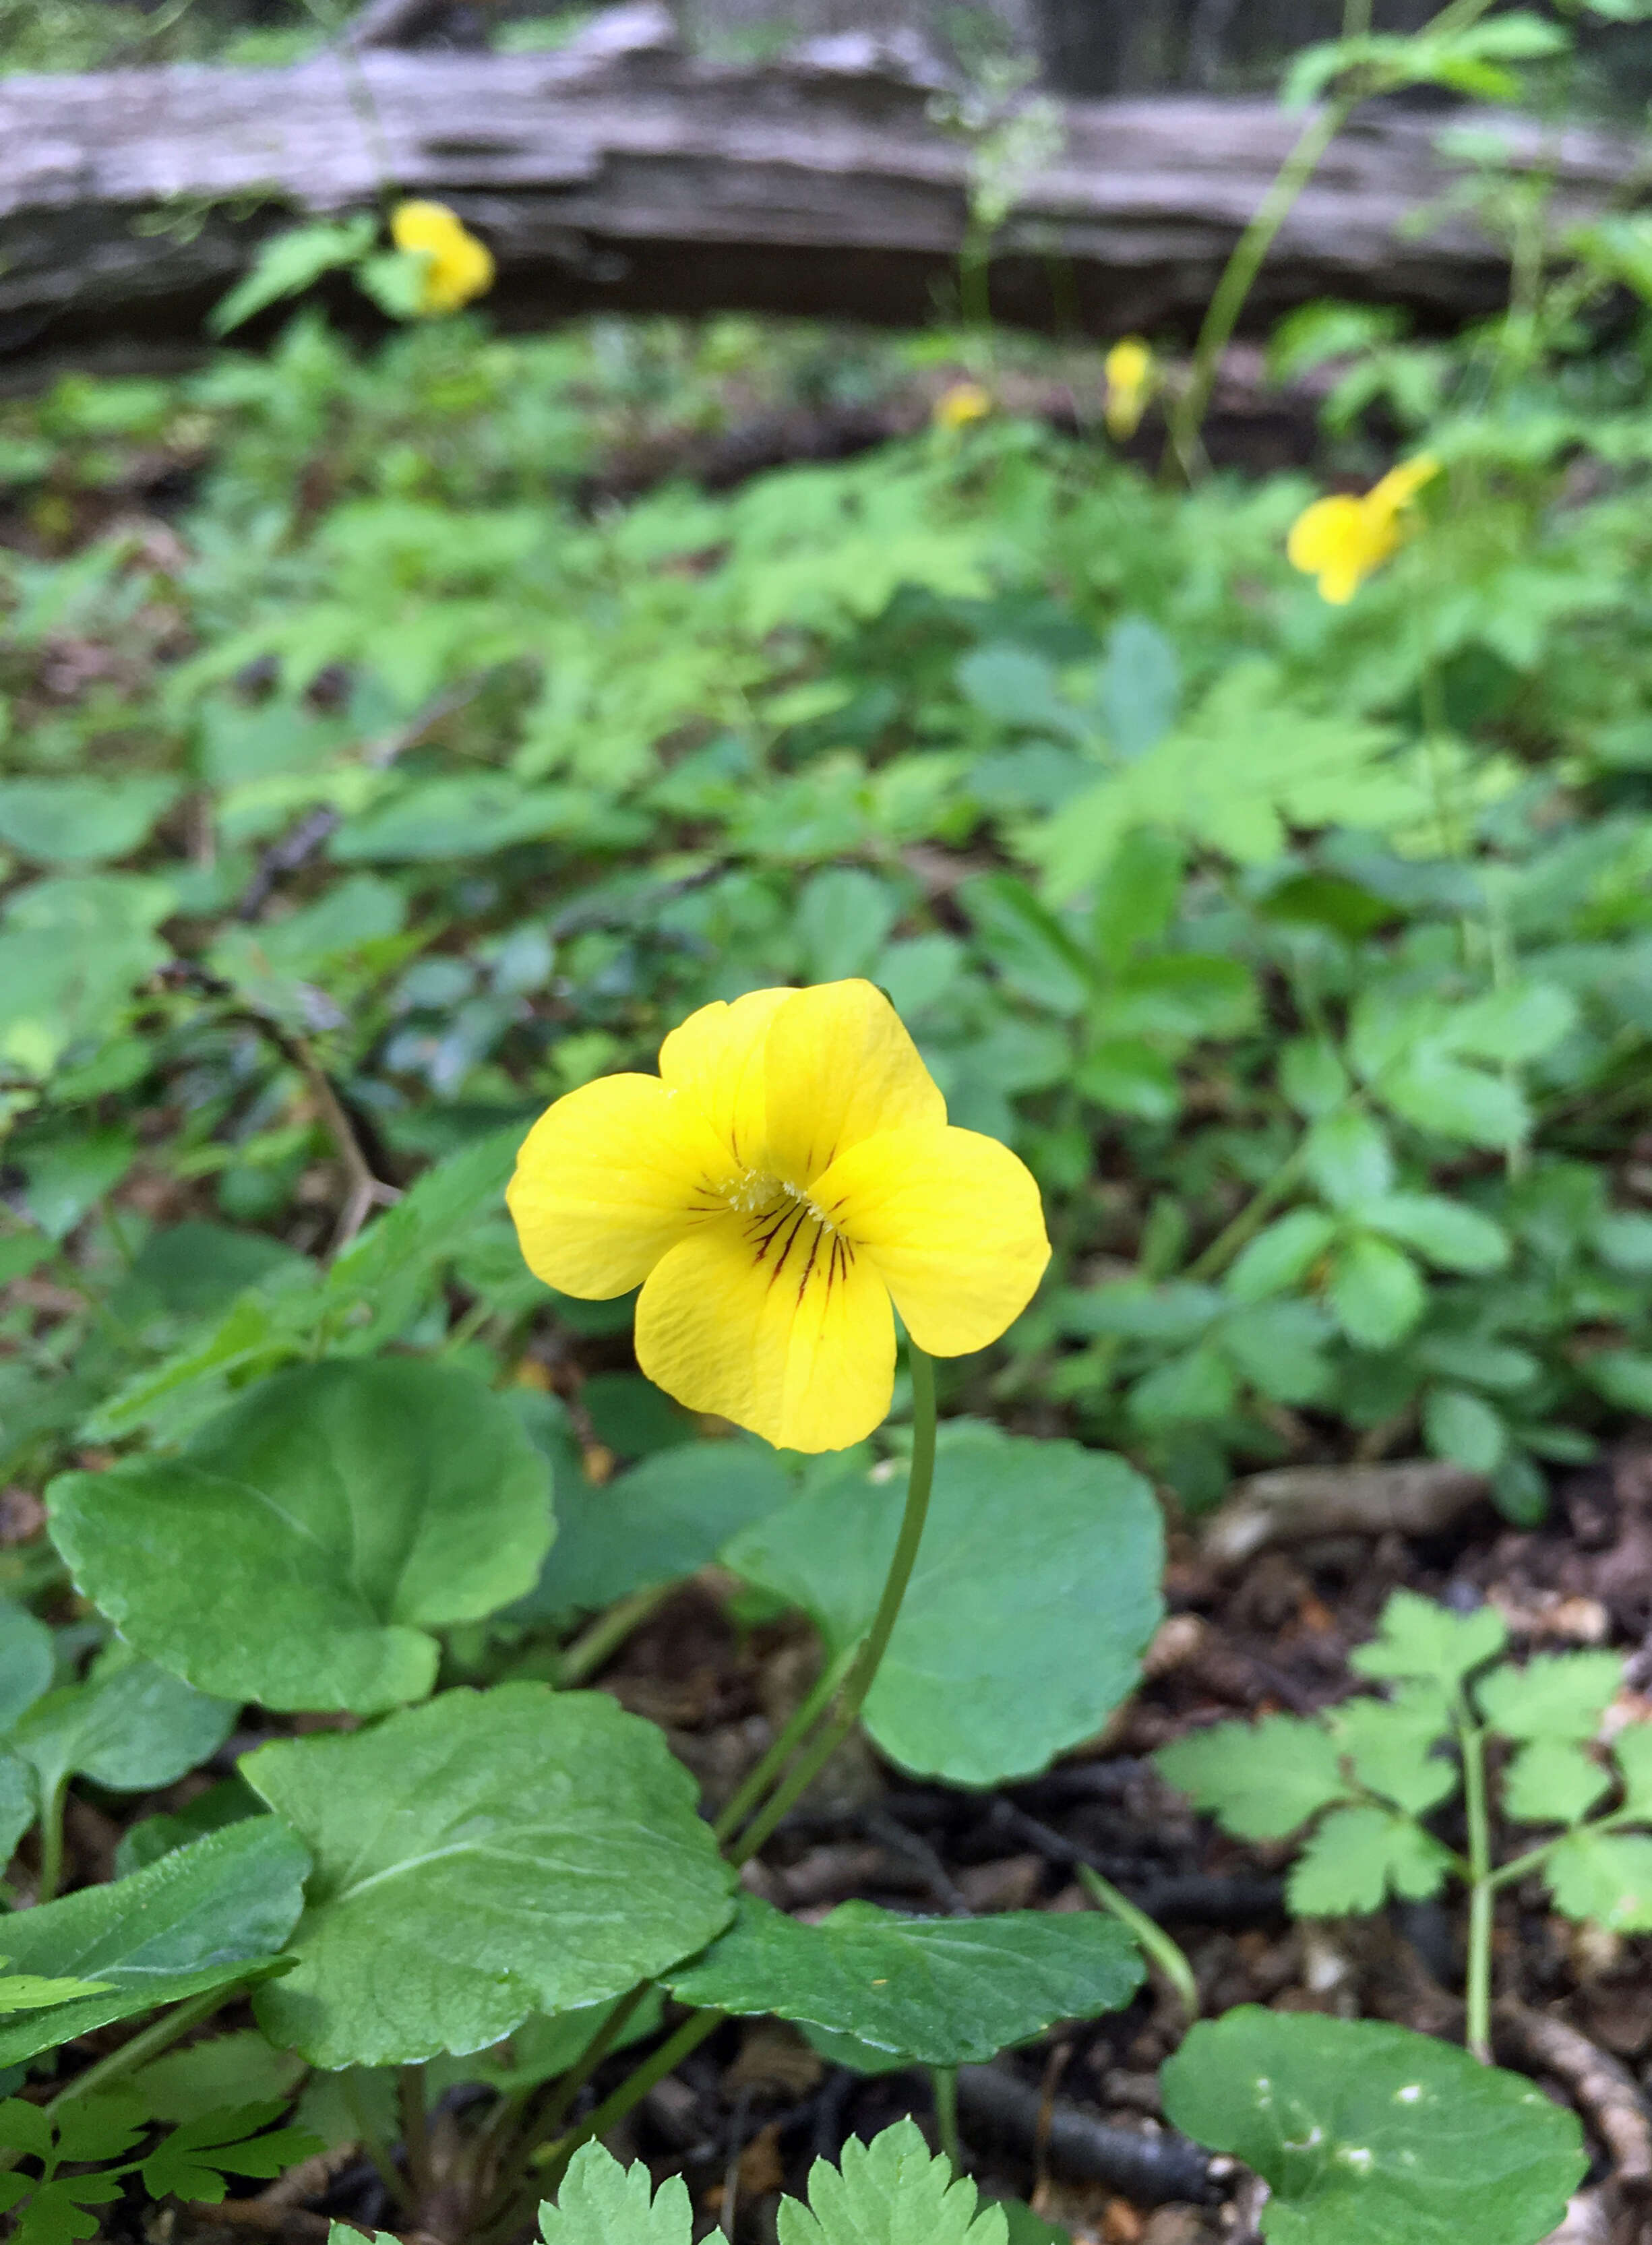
x=290 y=262
x=1349 y=1158
x=26 y=1661
x=1391 y=1744
x=603 y=2203
x=1035 y=1592
x=203 y=1916
x=350 y=1508
x=240 y=2068
x=1605 y=1877
x=478 y=1858
x=1439 y=1093
x=1555 y=1695
x=664 y=1519
x=892 y=2191
x=1444 y=1232
x=69 y=1170
x=1261 y=1781
x=1312 y=1076
x=1520 y=1023
x=1415 y=1638
x=1463 y=1426
x=72 y=948
x=1369 y=2134
x=81 y=821
x=1622 y=1376
x=1356 y=1857
x=942 y=1991
x=130 y=1726
x=1282 y=1255
x=1376 y=1292
x=1552 y=1782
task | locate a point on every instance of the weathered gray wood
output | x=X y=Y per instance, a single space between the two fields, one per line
x=622 y=174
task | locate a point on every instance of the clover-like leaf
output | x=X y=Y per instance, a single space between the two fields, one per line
x=1369 y=2134
x=478 y=1858
x=941 y=1990
x=350 y=1509
x=1259 y=1782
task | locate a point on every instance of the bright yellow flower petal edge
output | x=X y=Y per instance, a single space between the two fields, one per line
x=788 y=1174
x=1342 y=539
x=1131 y=374
x=457 y=266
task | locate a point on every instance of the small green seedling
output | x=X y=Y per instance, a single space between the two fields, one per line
x=1368 y=1775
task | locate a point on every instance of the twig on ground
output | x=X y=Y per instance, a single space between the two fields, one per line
x=1150 y=2169
x=364 y=1191
x=1607 y=2092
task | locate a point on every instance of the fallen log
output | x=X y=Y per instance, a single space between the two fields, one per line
x=620 y=174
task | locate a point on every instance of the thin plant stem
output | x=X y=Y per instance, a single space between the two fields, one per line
x=410 y=2094
x=797 y=1727
x=51 y=1842
x=944 y=2080
x=1249 y=1221
x=595 y=1645
x=1472 y=1744
x=832 y=1734
x=636 y=2086
x=596 y=2050
x=1221 y=316
x=1152 y=1937
x=159 y=2035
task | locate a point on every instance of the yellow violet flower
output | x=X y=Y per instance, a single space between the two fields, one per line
x=1342 y=539
x=962 y=403
x=457 y=266
x=788 y=1174
x=1131 y=378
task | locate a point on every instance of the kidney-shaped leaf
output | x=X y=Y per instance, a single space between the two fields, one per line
x=1035 y=1591
x=348 y=1509
x=941 y=1990
x=478 y=1858
x=1369 y=2134
x=200 y=1917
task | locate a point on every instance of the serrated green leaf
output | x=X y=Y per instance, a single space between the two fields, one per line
x=892 y=2191
x=1556 y=1695
x=57 y=2214
x=1349 y=1158
x=1552 y=1782
x=1415 y=1638
x=1282 y=1255
x=942 y=1991
x=201 y=1917
x=478 y=1858
x=1462 y=1426
x=350 y=1509
x=195 y=2160
x=1632 y=1751
x=289 y=263
x=1519 y=1023
x=1604 y=1878
x=1437 y=1093
x=1260 y=1781
x=603 y=2203
x=1035 y=1592
x=1444 y=1232
x=1356 y=1857
x=1369 y=2134
x=1390 y=1743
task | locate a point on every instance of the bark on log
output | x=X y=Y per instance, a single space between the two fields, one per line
x=620 y=175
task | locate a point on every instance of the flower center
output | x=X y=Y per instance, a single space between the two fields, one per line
x=788 y=1232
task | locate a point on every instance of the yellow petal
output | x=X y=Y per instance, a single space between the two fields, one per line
x=774 y=1323
x=1324 y=533
x=953 y=1223
x=1400 y=484
x=838 y=1067
x=716 y=1058
x=608 y=1179
x=421 y=225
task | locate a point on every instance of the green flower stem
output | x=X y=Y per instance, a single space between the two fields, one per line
x=1152 y=1937
x=832 y=1734
x=51 y=1842
x=555 y=2158
x=802 y=1721
x=944 y=2080
x=1249 y=1221
x=596 y=1644
x=1472 y=1743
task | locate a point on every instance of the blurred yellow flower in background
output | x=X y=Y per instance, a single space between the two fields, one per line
x=1341 y=539
x=1132 y=379
x=457 y=266
x=788 y=1174
x=959 y=405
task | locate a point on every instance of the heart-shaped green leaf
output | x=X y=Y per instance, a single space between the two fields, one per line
x=1034 y=1593
x=940 y=1991
x=349 y=1508
x=1369 y=2134
x=203 y=1916
x=478 y=1858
